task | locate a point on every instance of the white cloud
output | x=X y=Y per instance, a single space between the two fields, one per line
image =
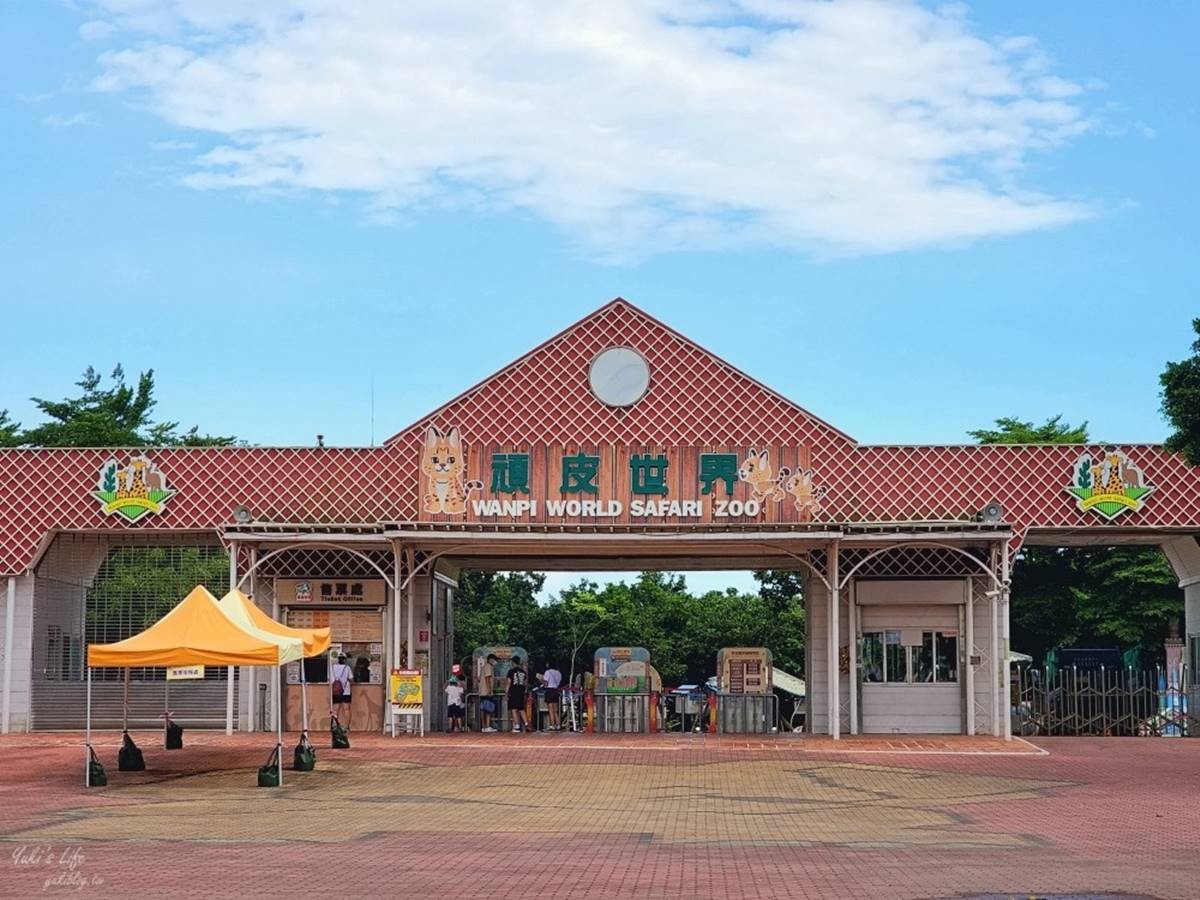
x=57 y=120
x=636 y=127
x=96 y=30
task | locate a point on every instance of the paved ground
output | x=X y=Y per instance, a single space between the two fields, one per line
x=573 y=816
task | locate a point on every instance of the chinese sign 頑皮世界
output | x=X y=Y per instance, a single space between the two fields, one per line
x=616 y=484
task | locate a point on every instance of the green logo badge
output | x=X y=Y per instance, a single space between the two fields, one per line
x=133 y=490
x=1109 y=484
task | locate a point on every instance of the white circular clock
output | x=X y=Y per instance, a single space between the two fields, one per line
x=619 y=376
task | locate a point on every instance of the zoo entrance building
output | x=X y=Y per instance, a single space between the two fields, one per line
x=618 y=444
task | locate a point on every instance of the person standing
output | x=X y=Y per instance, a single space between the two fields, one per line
x=518 y=681
x=552 y=681
x=486 y=689
x=454 y=704
x=339 y=685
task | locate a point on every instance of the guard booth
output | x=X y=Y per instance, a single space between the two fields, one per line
x=745 y=701
x=622 y=696
x=501 y=718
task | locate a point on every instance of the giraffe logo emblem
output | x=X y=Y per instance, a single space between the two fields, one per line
x=1108 y=484
x=133 y=490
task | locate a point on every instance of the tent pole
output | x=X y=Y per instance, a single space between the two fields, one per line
x=166 y=709
x=279 y=732
x=303 y=697
x=87 y=741
x=125 y=703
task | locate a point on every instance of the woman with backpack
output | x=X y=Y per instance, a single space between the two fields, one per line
x=340 y=680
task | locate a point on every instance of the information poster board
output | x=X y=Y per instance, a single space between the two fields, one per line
x=404 y=689
x=744 y=670
x=622 y=670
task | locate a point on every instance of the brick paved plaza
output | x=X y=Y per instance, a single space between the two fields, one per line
x=574 y=816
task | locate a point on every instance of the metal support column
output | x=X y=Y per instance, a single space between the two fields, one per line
x=10 y=604
x=994 y=673
x=394 y=657
x=233 y=552
x=835 y=700
x=852 y=646
x=968 y=669
x=1006 y=700
x=411 y=660
x=252 y=692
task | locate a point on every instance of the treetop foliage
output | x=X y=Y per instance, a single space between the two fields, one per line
x=1181 y=402
x=115 y=416
x=1010 y=430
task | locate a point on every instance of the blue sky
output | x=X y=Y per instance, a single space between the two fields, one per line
x=910 y=219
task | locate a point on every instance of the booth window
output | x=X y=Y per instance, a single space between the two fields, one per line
x=886 y=659
x=937 y=658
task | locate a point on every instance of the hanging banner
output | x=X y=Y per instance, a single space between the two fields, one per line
x=185 y=673
x=404 y=688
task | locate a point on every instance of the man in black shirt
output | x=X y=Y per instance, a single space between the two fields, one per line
x=518 y=680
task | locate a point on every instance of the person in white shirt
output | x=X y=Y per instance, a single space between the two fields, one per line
x=339 y=686
x=454 y=704
x=552 y=681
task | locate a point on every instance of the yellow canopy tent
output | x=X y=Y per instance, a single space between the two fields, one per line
x=307 y=641
x=196 y=632
x=315 y=640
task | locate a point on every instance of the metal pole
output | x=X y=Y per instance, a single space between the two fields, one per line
x=852 y=646
x=279 y=731
x=277 y=681
x=1004 y=675
x=835 y=705
x=125 y=703
x=994 y=677
x=9 y=625
x=233 y=552
x=394 y=659
x=969 y=673
x=252 y=693
x=87 y=740
x=412 y=595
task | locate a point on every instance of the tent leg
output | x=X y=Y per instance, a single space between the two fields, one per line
x=303 y=699
x=166 y=709
x=229 y=699
x=87 y=740
x=125 y=703
x=279 y=732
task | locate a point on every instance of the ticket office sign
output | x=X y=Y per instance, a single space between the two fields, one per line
x=577 y=484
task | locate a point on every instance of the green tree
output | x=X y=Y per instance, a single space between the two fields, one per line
x=498 y=608
x=1067 y=596
x=114 y=416
x=10 y=431
x=1181 y=402
x=1010 y=430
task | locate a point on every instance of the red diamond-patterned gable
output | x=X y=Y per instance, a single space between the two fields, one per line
x=694 y=399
